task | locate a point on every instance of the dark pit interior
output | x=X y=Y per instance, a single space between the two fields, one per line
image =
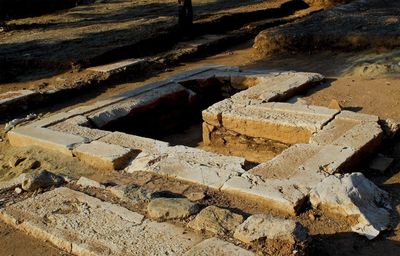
x=177 y=119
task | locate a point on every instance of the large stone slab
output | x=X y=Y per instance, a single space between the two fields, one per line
x=190 y=164
x=354 y=195
x=288 y=123
x=123 y=108
x=46 y=138
x=75 y=129
x=215 y=246
x=136 y=142
x=83 y=225
x=117 y=67
x=277 y=86
x=103 y=155
x=275 y=193
x=13 y=96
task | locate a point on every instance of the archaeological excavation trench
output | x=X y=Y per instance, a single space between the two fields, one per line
x=272 y=151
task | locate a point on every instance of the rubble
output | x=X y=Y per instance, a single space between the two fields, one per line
x=354 y=195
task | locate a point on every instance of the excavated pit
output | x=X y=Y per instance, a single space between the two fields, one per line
x=178 y=120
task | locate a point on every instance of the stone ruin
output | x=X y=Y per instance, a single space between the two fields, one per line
x=299 y=154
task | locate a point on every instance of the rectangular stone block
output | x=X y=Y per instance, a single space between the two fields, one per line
x=136 y=142
x=104 y=155
x=216 y=246
x=274 y=194
x=278 y=86
x=118 y=110
x=12 y=96
x=84 y=225
x=46 y=138
x=282 y=122
x=117 y=67
x=190 y=164
x=86 y=132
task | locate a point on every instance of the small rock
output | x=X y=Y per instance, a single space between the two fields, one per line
x=18 y=190
x=137 y=194
x=381 y=163
x=118 y=191
x=354 y=195
x=14 y=161
x=43 y=179
x=171 y=208
x=311 y=216
x=216 y=220
x=334 y=104
x=195 y=196
x=264 y=226
x=85 y=182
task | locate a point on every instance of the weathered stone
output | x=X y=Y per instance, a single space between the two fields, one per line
x=190 y=164
x=136 y=142
x=4 y=185
x=12 y=96
x=103 y=155
x=381 y=163
x=117 y=67
x=354 y=195
x=43 y=179
x=284 y=122
x=46 y=138
x=275 y=193
x=216 y=221
x=215 y=246
x=71 y=128
x=268 y=227
x=50 y=120
x=85 y=182
x=84 y=225
x=123 y=108
x=195 y=196
x=357 y=117
x=171 y=208
x=278 y=86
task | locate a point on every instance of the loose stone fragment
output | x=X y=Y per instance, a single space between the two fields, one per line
x=171 y=208
x=263 y=226
x=85 y=182
x=354 y=195
x=217 y=247
x=43 y=179
x=216 y=220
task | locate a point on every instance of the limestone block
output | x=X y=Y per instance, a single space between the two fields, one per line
x=354 y=195
x=190 y=164
x=117 y=67
x=12 y=96
x=216 y=246
x=84 y=225
x=46 y=138
x=120 y=109
x=86 y=132
x=103 y=155
x=171 y=208
x=136 y=142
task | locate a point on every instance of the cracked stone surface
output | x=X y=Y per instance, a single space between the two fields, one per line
x=216 y=221
x=354 y=195
x=263 y=226
x=84 y=225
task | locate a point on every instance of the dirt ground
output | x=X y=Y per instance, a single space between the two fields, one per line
x=365 y=81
